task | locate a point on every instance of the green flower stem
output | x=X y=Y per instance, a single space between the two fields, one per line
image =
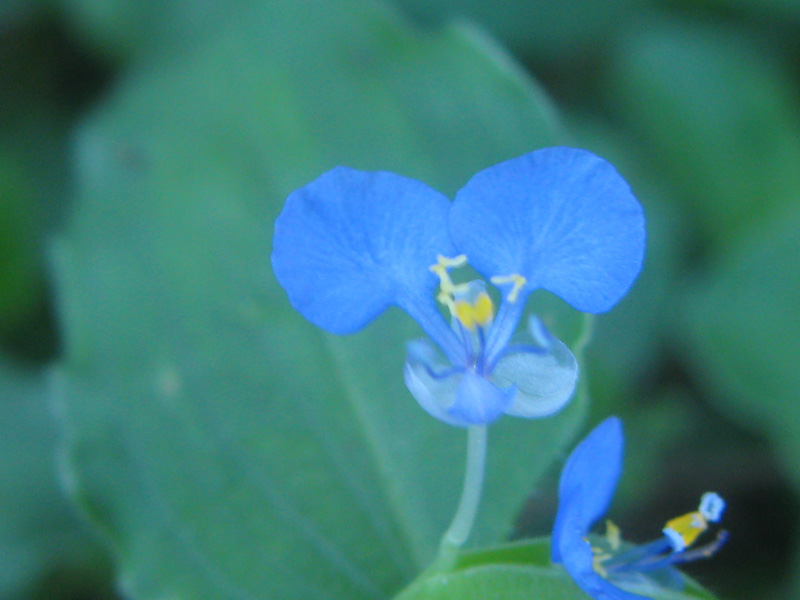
x=459 y=529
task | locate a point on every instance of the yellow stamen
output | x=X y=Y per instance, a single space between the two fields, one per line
x=518 y=280
x=613 y=535
x=446 y=286
x=448 y=263
x=440 y=269
x=684 y=530
x=477 y=311
x=597 y=561
x=614 y=540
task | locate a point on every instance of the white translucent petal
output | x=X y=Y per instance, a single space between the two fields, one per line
x=545 y=381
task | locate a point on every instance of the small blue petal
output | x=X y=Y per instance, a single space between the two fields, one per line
x=479 y=401
x=350 y=243
x=587 y=483
x=562 y=218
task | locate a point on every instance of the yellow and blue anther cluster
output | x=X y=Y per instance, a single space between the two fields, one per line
x=684 y=530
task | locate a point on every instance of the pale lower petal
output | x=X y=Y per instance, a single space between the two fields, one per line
x=545 y=381
x=434 y=394
x=479 y=401
x=456 y=396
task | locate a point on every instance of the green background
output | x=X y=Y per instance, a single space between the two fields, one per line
x=172 y=429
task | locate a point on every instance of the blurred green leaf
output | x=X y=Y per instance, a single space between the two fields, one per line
x=545 y=27
x=36 y=63
x=794 y=583
x=228 y=448
x=43 y=80
x=13 y=11
x=146 y=29
x=719 y=117
x=45 y=551
x=20 y=264
x=743 y=325
x=775 y=9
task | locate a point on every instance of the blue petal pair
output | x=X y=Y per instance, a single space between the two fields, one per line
x=606 y=568
x=351 y=243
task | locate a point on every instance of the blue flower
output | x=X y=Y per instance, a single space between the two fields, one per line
x=351 y=243
x=607 y=568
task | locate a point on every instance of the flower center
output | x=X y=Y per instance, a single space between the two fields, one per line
x=482 y=331
x=468 y=302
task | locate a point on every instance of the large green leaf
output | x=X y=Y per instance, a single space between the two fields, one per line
x=226 y=447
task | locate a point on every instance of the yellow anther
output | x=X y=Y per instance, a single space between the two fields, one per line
x=518 y=280
x=474 y=314
x=597 y=561
x=465 y=313
x=442 y=262
x=613 y=535
x=684 y=530
x=483 y=307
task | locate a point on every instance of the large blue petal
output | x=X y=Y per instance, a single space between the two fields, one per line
x=587 y=483
x=350 y=243
x=563 y=218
